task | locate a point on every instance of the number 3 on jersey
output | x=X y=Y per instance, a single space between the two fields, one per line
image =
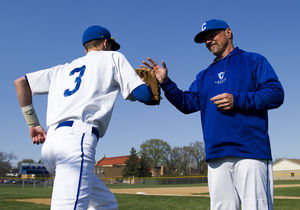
x=81 y=70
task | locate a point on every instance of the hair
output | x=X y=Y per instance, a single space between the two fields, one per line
x=93 y=43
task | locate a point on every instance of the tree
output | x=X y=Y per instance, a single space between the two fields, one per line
x=198 y=154
x=131 y=168
x=173 y=161
x=144 y=167
x=156 y=150
x=185 y=159
x=5 y=162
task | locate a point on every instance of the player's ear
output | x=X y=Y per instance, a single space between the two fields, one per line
x=106 y=45
x=228 y=33
x=85 y=51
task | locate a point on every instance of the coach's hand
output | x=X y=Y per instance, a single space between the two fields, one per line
x=161 y=73
x=223 y=101
x=37 y=134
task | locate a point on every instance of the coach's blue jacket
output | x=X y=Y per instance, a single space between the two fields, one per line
x=242 y=131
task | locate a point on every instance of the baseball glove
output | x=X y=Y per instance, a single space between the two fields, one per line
x=149 y=78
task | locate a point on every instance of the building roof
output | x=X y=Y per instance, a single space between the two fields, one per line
x=112 y=160
x=296 y=161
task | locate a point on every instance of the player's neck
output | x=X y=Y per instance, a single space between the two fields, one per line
x=226 y=52
x=94 y=49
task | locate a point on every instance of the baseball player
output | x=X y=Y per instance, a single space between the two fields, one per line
x=234 y=95
x=81 y=96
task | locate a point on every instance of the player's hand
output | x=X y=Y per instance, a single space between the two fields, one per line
x=161 y=73
x=223 y=101
x=37 y=134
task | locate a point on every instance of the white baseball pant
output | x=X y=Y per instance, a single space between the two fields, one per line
x=69 y=153
x=236 y=182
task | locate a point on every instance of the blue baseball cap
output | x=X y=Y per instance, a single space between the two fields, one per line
x=209 y=25
x=98 y=32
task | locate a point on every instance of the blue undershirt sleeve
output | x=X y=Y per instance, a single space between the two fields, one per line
x=143 y=93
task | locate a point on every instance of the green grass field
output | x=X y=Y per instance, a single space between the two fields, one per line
x=137 y=202
x=279 y=182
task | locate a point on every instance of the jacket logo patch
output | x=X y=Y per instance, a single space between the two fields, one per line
x=221 y=77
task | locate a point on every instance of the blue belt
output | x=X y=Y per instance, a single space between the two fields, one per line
x=70 y=124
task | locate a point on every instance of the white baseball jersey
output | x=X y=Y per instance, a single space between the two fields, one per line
x=86 y=88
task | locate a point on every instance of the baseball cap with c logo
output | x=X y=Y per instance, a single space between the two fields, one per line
x=209 y=25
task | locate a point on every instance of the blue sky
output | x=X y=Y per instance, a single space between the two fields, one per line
x=40 y=34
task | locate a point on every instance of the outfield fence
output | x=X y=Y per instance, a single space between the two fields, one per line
x=157 y=180
x=48 y=182
x=22 y=182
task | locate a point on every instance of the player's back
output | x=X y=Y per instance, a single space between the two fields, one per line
x=84 y=89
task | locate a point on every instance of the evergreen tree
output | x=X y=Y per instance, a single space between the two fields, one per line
x=144 y=169
x=131 y=168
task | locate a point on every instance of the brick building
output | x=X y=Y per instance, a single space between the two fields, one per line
x=110 y=167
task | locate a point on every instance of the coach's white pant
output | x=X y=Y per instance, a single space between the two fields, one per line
x=235 y=182
x=69 y=153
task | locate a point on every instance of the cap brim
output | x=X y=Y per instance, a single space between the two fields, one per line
x=114 y=45
x=199 y=38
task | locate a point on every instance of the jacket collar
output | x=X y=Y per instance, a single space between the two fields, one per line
x=235 y=51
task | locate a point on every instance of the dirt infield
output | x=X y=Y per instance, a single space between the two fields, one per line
x=171 y=191
x=286 y=185
x=184 y=191
x=45 y=201
x=165 y=191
